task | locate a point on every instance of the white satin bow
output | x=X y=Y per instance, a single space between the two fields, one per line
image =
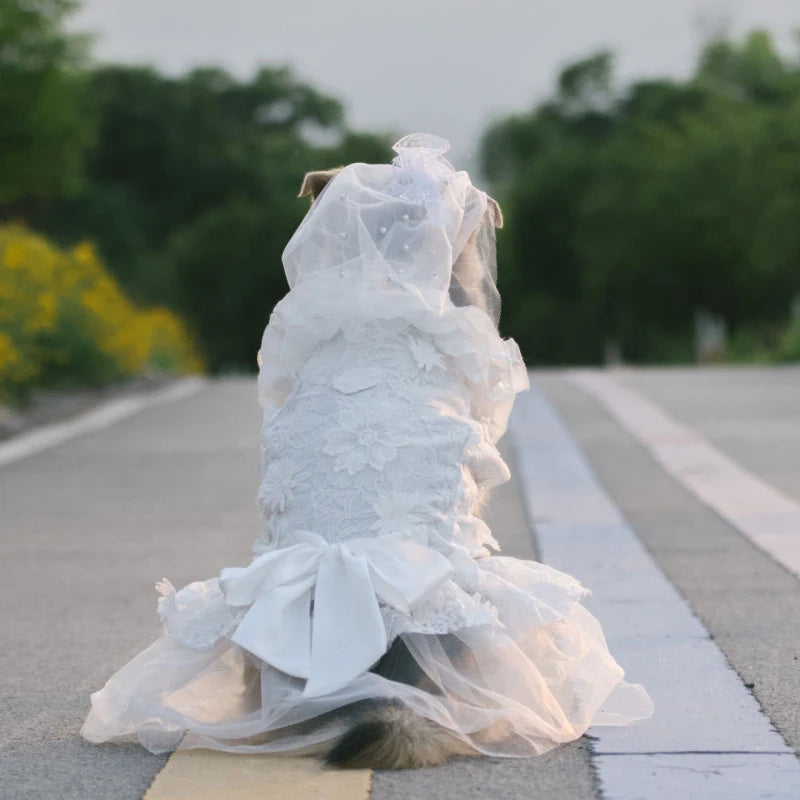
x=347 y=635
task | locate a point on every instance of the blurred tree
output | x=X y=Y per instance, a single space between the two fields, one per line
x=630 y=210
x=191 y=190
x=586 y=85
x=44 y=124
x=541 y=164
x=227 y=265
x=187 y=184
x=751 y=71
x=226 y=262
x=170 y=149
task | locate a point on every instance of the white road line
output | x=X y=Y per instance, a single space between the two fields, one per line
x=708 y=738
x=765 y=516
x=47 y=436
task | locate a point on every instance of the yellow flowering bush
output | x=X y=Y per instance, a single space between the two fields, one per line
x=64 y=320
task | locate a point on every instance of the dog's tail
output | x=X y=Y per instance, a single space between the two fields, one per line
x=394 y=737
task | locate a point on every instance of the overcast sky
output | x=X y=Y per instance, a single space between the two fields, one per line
x=445 y=67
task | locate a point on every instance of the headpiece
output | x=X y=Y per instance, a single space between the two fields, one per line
x=415 y=224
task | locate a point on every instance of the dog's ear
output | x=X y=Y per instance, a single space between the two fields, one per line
x=315 y=182
x=497 y=214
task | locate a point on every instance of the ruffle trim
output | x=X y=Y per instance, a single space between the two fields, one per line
x=314 y=312
x=532 y=660
x=199 y=617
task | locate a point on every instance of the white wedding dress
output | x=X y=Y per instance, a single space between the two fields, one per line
x=385 y=387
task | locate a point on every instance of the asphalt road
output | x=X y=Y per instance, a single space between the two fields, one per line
x=88 y=526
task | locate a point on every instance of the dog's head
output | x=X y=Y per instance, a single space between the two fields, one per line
x=314 y=182
x=468 y=284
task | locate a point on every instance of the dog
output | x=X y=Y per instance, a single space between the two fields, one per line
x=385 y=734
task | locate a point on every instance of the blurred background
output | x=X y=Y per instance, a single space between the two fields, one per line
x=646 y=155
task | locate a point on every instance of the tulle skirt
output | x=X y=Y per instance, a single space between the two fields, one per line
x=532 y=673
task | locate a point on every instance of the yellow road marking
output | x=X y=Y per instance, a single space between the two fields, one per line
x=207 y=775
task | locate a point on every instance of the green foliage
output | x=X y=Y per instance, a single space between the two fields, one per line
x=789 y=345
x=191 y=191
x=747 y=347
x=227 y=263
x=586 y=85
x=629 y=210
x=44 y=120
x=64 y=321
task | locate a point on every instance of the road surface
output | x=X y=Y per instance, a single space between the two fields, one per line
x=673 y=494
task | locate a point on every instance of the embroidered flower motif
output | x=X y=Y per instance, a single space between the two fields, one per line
x=450 y=609
x=356 y=379
x=358 y=442
x=397 y=512
x=401 y=367
x=281 y=480
x=425 y=354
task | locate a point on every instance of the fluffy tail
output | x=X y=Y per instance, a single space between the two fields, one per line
x=394 y=737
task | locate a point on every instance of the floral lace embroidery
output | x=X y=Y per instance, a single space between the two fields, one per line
x=197 y=616
x=377 y=436
x=426 y=356
x=280 y=481
x=398 y=512
x=450 y=610
x=357 y=442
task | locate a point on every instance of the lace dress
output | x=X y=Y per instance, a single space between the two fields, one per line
x=383 y=402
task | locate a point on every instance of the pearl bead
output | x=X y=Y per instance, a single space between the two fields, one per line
x=405 y=217
x=343 y=235
x=383 y=230
x=406 y=248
